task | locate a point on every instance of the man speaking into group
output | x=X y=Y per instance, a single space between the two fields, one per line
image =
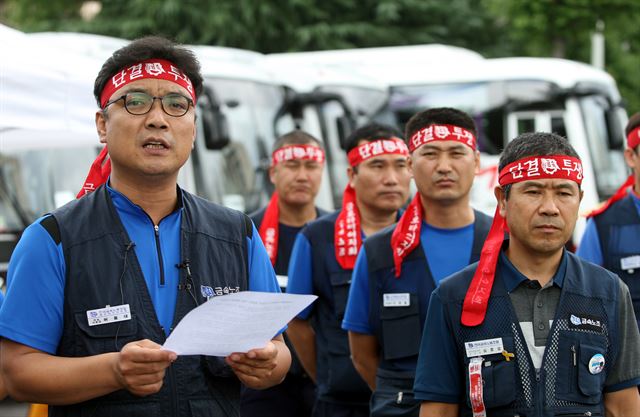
x=140 y=252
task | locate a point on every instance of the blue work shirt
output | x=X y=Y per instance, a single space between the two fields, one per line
x=438 y=246
x=37 y=274
x=589 y=248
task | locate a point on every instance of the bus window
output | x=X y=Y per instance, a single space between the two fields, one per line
x=608 y=163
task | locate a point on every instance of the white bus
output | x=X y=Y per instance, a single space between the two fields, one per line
x=506 y=97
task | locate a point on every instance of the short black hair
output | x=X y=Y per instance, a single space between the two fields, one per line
x=438 y=116
x=371 y=132
x=296 y=137
x=145 y=48
x=634 y=121
x=534 y=144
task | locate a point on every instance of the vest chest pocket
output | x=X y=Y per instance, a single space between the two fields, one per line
x=401 y=329
x=581 y=367
x=340 y=283
x=110 y=337
x=499 y=382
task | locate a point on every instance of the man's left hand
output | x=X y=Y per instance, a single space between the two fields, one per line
x=255 y=368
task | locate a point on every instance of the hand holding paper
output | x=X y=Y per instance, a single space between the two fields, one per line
x=236 y=322
x=258 y=365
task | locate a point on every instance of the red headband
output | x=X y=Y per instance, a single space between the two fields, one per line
x=442 y=132
x=299 y=152
x=542 y=167
x=347 y=230
x=527 y=169
x=269 y=230
x=375 y=148
x=633 y=138
x=151 y=68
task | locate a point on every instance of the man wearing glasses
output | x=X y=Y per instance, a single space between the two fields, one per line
x=138 y=252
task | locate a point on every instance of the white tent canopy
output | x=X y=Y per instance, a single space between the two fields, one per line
x=44 y=90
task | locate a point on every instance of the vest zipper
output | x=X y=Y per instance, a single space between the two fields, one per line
x=156 y=229
x=174 y=391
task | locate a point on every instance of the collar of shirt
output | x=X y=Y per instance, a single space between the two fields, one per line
x=124 y=205
x=512 y=277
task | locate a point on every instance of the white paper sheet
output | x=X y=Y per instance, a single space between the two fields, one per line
x=236 y=322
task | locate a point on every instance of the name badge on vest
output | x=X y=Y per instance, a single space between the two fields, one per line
x=396 y=300
x=283 y=280
x=109 y=314
x=484 y=347
x=630 y=263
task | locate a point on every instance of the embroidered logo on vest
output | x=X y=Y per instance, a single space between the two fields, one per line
x=585 y=322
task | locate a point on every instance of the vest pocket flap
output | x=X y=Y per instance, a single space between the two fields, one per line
x=591 y=369
x=393 y=313
x=119 y=328
x=340 y=282
x=401 y=330
x=340 y=278
x=499 y=381
x=577 y=359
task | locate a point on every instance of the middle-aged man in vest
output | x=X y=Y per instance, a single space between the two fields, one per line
x=398 y=268
x=612 y=236
x=324 y=255
x=531 y=329
x=140 y=253
x=297 y=164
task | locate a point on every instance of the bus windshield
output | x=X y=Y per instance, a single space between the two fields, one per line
x=489 y=103
x=236 y=176
x=44 y=179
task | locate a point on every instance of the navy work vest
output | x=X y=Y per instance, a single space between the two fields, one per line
x=337 y=379
x=399 y=329
x=102 y=269
x=619 y=233
x=282 y=261
x=563 y=385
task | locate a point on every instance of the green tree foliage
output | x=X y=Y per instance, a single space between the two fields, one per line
x=271 y=25
x=40 y=15
x=563 y=28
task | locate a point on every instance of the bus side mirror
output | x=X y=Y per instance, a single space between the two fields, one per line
x=345 y=126
x=214 y=122
x=615 y=128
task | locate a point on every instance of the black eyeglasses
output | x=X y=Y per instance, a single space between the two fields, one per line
x=139 y=103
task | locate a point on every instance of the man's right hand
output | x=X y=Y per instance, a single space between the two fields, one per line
x=140 y=367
